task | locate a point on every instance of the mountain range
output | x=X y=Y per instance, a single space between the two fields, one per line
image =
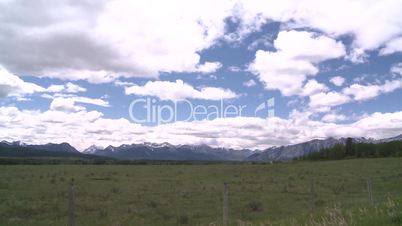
x=167 y=151
x=20 y=149
x=286 y=153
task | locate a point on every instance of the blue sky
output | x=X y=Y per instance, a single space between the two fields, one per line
x=333 y=69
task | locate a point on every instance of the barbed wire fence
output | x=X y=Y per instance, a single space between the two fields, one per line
x=373 y=191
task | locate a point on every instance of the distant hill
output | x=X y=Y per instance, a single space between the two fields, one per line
x=397 y=138
x=19 y=149
x=285 y=153
x=290 y=152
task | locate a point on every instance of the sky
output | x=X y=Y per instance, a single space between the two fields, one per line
x=237 y=74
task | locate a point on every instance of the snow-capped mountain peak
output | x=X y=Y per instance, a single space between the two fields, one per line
x=92 y=149
x=14 y=143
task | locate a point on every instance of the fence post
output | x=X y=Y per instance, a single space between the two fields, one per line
x=312 y=196
x=71 y=207
x=370 y=190
x=225 y=203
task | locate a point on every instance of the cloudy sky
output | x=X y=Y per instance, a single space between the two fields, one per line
x=69 y=70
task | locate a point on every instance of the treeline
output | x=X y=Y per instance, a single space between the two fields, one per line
x=357 y=150
x=27 y=152
x=76 y=161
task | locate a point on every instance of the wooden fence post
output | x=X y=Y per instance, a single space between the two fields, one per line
x=71 y=206
x=370 y=190
x=225 y=203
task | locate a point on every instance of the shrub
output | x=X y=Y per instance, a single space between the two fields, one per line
x=152 y=204
x=115 y=190
x=183 y=220
x=102 y=213
x=254 y=206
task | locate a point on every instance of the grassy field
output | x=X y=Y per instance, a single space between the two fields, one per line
x=271 y=194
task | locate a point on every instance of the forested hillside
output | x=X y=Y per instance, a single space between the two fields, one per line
x=357 y=150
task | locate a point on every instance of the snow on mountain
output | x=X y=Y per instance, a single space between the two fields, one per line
x=286 y=153
x=167 y=151
x=397 y=138
x=92 y=149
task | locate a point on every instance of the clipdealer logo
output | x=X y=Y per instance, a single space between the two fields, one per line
x=152 y=111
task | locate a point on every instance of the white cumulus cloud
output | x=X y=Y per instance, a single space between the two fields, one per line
x=249 y=83
x=82 y=129
x=329 y=99
x=298 y=53
x=65 y=104
x=12 y=85
x=366 y=92
x=395 y=45
x=102 y=40
x=371 y=23
x=178 y=90
x=337 y=80
x=333 y=117
x=312 y=87
x=67 y=88
x=208 y=67
x=397 y=69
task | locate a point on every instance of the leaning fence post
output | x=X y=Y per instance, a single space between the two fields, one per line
x=370 y=190
x=225 y=203
x=71 y=207
x=312 y=196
